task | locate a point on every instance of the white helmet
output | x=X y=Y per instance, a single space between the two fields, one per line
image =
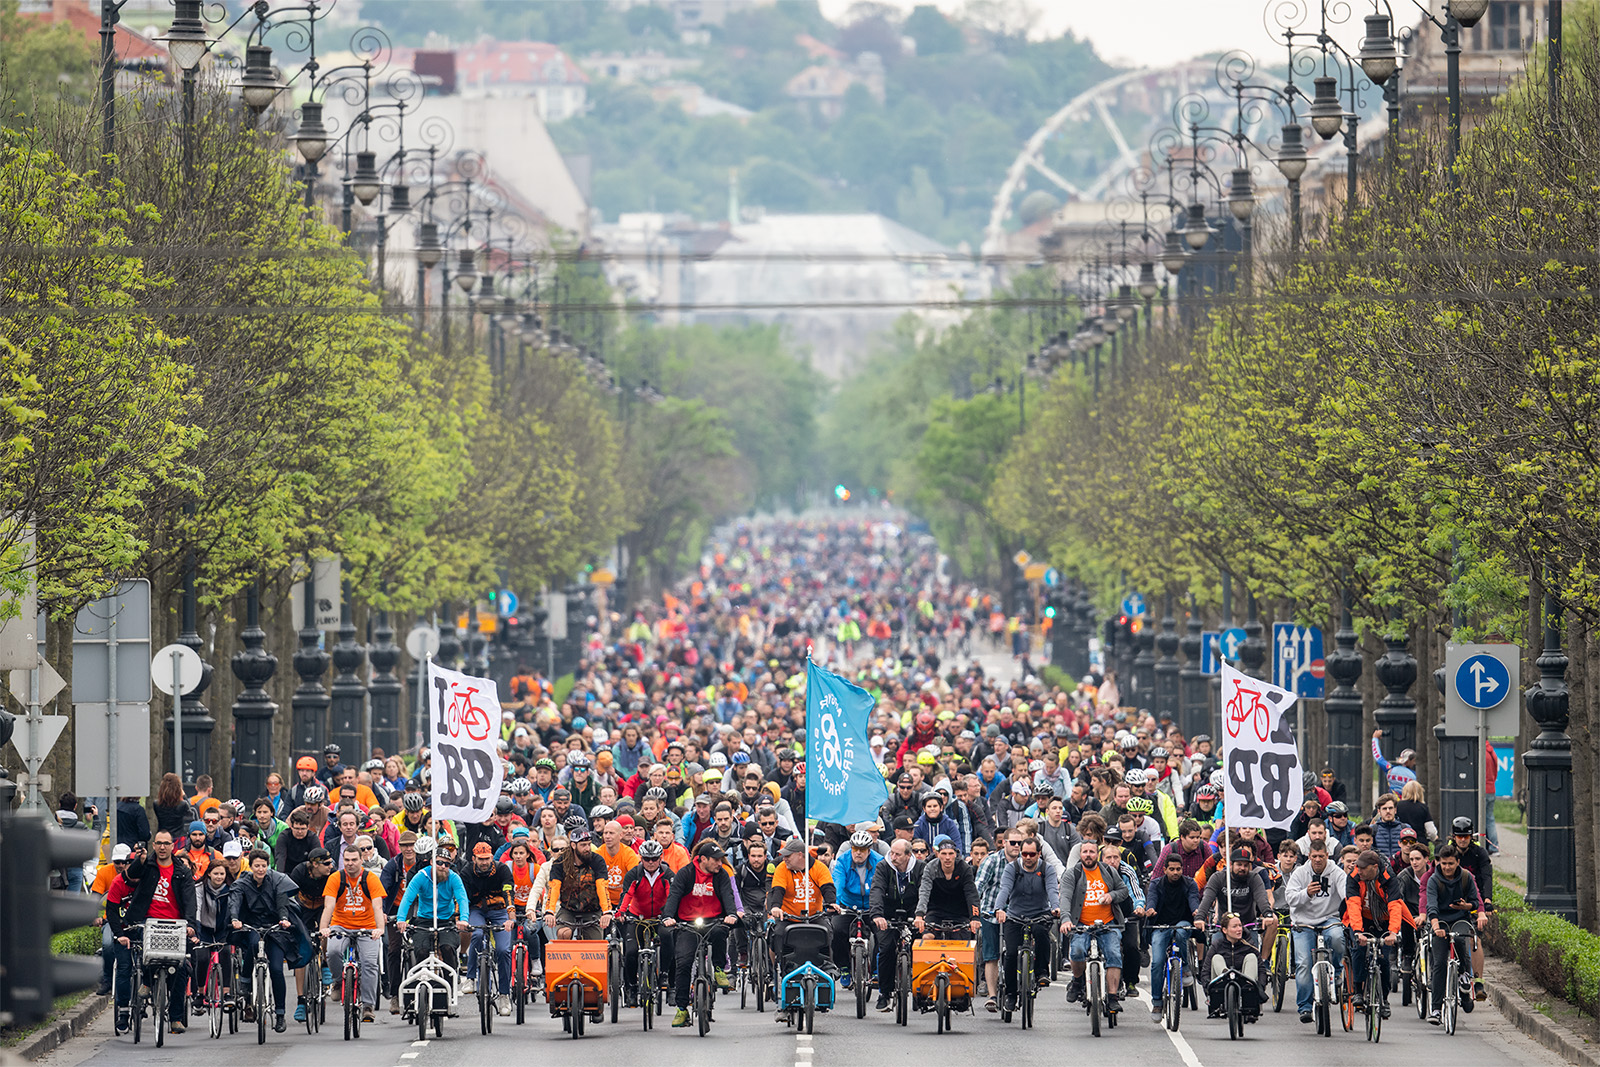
x=425 y=846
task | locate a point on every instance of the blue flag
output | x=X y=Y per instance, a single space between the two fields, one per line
x=843 y=783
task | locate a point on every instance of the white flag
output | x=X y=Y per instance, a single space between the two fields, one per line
x=463 y=731
x=1259 y=756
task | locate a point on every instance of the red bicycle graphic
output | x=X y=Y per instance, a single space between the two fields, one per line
x=1258 y=714
x=463 y=714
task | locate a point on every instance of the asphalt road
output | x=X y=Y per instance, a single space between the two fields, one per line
x=841 y=1040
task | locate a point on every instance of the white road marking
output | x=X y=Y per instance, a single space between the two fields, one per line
x=409 y=1055
x=420 y=1044
x=1180 y=1043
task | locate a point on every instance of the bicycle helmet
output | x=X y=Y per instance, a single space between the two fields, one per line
x=1134 y=776
x=425 y=846
x=578 y=761
x=1207 y=792
x=1141 y=806
x=1219 y=779
x=1200 y=739
x=1338 y=807
x=1158 y=753
x=602 y=811
x=316 y=795
x=306 y=763
x=650 y=850
x=504 y=806
x=1308 y=781
x=926 y=720
x=330 y=749
x=546 y=762
x=372 y=765
x=414 y=802
x=740 y=758
x=237 y=807
x=860 y=839
x=1128 y=742
x=576 y=822
x=1461 y=824
x=655 y=792
x=520 y=787
x=717 y=760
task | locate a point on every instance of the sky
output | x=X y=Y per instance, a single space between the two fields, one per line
x=1155 y=32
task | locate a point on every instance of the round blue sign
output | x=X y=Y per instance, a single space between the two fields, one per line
x=1482 y=681
x=508 y=603
x=1230 y=642
x=1133 y=604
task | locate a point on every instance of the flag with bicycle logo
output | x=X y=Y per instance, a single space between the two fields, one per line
x=1264 y=786
x=845 y=784
x=463 y=729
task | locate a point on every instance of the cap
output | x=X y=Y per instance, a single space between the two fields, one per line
x=943 y=842
x=197 y=827
x=519 y=831
x=482 y=848
x=902 y=822
x=709 y=848
x=1020 y=788
x=1408 y=831
x=703 y=798
x=120 y=853
x=318 y=853
x=1243 y=855
x=791 y=847
x=231 y=850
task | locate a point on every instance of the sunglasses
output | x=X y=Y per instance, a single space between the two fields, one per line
x=923 y=851
x=1028 y=855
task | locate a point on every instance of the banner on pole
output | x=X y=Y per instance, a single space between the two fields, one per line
x=845 y=785
x=1264 y=787
x=463 y=728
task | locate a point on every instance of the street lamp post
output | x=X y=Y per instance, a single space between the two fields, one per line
x=384 y=689
x=1168 y=669
x=348 y=699
x=1253 y=650
x=195 y=759
x=1396 y=670
x=1343 y=705
x=253 y=710
x=309 y=702
x=1192 y=686
x=1552 y=848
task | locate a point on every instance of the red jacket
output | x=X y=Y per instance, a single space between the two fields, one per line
x=642 y=899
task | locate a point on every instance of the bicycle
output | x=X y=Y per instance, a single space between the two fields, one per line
x=216 y=1004
x=350 y=982
x=521 y=971
x=1323 y=991
x=1457 y=976
x=703 y=979
x=1280 y=970
x=1178 y=976
x=1094 y=980
x=487 y=977
x=758 y=968
x=162 y=949
x=1028 y=980
x=315 y=991
x=902 y=971
x=614 y=968
x=645 y=931
x=1372 y=985
x=860 y=958
x=1422 y=969
x=261 y=982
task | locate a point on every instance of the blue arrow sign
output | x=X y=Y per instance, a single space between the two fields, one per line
x=1052 y=577
x=1133 y=604
x=1482 y=682
x=507 y=603
x=1210 y=652
x=1297 y=663
x=1231 y=640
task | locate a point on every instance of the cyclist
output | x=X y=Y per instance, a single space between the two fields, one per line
x=156 y=885
x=1409 y=883
x=1191 y=848
x=1233 y=951
x=1452 y=896
x=1316 y=892
x=261 y=898
x=349 y=911
x=308 y=876
x=1373 y=904
x=395 y=876
x=1029 y=899
x=1474 y=859
x=617 y=856
x=644 y=896
x=1090 y=894
x=1249 y=898
x=893 y=901
x=579 y=899
x=490 y=893
x=1171 y=901
x=438 y=898
x=852 y=875
x=802 y=888
x=701 y=890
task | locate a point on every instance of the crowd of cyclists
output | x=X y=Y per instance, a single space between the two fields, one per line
x=668 y=786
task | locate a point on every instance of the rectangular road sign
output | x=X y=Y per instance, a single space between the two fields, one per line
x=1297 y=663
x=91 y=736
x=124 y=616
x=1489 y=676
x=329 y=595
x=1210 y=651
x=18 y=636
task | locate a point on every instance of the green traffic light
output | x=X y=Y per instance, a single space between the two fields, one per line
x=1050 y=612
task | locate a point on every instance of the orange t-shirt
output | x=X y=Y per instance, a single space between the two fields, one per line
x=363 y=796
x=674 y=856
x=353 y=909
x=204 y=804
x=103 y=878
x=1096 y=908
x=617 y=867
x=522 y=882
x=802 y=892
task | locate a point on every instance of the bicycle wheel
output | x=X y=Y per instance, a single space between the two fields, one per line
x=1026 y=986
x=1091 y=993
x=902 y=990
x=575 y=1008
x=1280 y=972
x=313 y=994
x=941 y=1003
x=1173 y=1001
x=519 y=979
x=348 y=998
x=1374 y=1000
x=158 y=1007
x=1450 y=1001
x=262 y=992
x=859 y=978
x=1347 y=1000
x=1235 y=1013
x=1420 y=991
x=231 y=1009
x=423 y=990
x=614 y=979
x=136 y=1003
x=486 y=977
x=213 y=996
x=702 y=1005
x=809 y=1023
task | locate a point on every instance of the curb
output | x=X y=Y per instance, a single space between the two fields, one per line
x=69 y=1026
x=1540 y=1027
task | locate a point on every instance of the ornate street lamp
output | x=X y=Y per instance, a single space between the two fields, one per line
x=429 y=250
x=1196 y=232
x=366 y=184
x=311 y=139
x=186 y=38
x=467 y=270
x=1327 y=114
x=1379 y=57
x=1149 y=288
x=399 y=200
x=1173 y=253
x=259 y=84
x=1241 y=196
x=1292 y=155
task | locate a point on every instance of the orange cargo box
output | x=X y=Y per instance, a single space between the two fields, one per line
x=926 y=952
x=587 y=957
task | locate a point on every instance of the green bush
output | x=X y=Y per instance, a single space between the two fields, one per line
x=1057 y=678
x=83 y=941
x=1561 y=957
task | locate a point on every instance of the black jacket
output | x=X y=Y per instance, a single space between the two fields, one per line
x=133 y=823
x=142 y=876
x=683 y=881
x=291 y=851
x=889 y=899
x=953 y=899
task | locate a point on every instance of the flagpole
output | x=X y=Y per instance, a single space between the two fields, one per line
x=433 y=819
x=805 y=832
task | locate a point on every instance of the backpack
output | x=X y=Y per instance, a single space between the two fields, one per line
x=363 y=888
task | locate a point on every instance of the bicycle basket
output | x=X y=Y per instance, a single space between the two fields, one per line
x=165 y=939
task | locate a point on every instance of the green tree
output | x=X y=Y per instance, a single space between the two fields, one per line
x=41 y=62
x=934 y=34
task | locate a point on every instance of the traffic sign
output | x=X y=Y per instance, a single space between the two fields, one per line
x=1297 y=663
x=50 y=727
x=422 y=641
x=1021 y=559
x=1482 y=679
x=1052 y=577
x=325 y=576
x=1482 y=682
x=92 y=749
x=50 y=684
x=1231 y=640
x=1133 y=604
x=1034 y=572
x=188 y=667
x=1210 y=651
x=507 y=603
x=121 y=620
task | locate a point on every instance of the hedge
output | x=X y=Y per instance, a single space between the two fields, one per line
x=82 y=941
x=1561 y=957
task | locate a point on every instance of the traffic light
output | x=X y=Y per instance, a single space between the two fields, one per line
x=8 y=723
x=30 y=976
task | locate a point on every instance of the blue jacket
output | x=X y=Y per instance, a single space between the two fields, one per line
x=452 y=898
x=850 y=891
x=924 y=831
